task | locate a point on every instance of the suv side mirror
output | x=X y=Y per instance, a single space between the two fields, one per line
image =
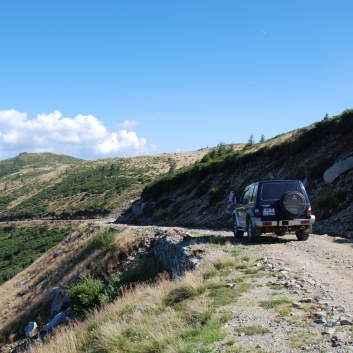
x=245 y=201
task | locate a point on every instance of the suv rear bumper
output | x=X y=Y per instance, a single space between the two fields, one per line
x=287 y=225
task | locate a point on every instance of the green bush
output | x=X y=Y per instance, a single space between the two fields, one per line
x=112 y=290
x=105 y=240
x=84 y=295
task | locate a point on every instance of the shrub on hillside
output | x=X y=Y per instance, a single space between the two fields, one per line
x=105 y=240
x=85 y=294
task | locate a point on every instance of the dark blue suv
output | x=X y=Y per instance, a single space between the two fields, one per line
x=273 y=206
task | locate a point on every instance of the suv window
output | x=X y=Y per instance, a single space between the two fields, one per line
x=274 y=191
x=253 y=194
x=247 y=192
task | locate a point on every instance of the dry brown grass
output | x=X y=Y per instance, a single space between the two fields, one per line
x=142 y=315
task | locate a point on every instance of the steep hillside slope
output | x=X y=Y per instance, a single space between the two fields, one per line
x=199 y=195
x=46 y=185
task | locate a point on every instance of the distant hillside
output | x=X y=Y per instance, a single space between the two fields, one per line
x=29 y=162
x=197 y=195
x=51 y=186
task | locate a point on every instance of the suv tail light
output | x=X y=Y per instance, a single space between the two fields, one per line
x=257 y=213
x=309 y=210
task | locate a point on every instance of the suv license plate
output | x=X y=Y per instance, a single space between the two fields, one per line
x=268 y=212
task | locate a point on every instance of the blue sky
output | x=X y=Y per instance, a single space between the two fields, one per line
x=108 y=78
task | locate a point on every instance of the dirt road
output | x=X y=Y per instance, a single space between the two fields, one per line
x=315 y=280
x=327 y=261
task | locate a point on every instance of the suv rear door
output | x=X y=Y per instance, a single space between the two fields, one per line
x=271 y=194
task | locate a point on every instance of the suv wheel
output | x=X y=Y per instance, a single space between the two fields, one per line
x=292 y=204
x=253 y=232
x=237 y=233
x=303 y=235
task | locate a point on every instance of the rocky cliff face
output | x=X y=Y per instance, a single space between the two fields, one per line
x=320 y=155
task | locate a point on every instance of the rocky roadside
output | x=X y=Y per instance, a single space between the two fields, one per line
x=301 y=303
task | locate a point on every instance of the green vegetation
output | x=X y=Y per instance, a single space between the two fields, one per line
x=217 y=194
x=22 y=245
x=281 y=306
x=226 y=159
x=158 y=316
x=252 y=330
x=52 y=186
x=271 y=304
x=90 y=292
x=85 y=294
x=298 y=340
x=105 y=240
x=35 y=161
x=186 y=315
x=83 y=189
x=81 y=181
x=251 y=140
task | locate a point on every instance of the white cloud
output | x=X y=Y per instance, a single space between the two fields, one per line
x=9 y=118
x=126 y=143
x=128 y=124
x=83 y=136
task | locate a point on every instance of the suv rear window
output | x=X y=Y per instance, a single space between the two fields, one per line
x=274 y=191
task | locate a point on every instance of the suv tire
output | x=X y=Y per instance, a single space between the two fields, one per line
x=303 y=235
x=237 y=232
x=292 y=204
x=253 y=232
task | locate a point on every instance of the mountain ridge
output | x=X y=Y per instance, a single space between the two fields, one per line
x=190 y=189
x=199 y=195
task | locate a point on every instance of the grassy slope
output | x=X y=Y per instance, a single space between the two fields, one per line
x=198 y=195
x=46 y=185
x=34 y=186
x=30 y=162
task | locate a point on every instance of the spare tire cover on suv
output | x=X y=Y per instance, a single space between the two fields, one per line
x=292 y=204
